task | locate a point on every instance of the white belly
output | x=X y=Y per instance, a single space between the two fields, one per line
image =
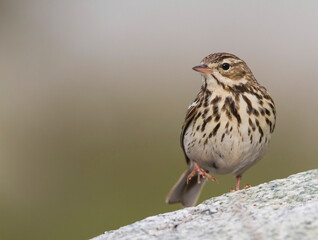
x=233 y=148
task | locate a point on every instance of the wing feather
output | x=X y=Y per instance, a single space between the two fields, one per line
x=192 y=110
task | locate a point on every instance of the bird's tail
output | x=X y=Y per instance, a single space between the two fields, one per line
x=185 y=193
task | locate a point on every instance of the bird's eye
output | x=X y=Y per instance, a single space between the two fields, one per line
x=225 y=66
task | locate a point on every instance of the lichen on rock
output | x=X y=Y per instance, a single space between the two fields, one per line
x=280 y=209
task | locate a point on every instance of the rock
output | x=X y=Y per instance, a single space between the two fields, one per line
x=281 y=209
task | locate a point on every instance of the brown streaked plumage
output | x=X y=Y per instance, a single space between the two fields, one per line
x=227 y=128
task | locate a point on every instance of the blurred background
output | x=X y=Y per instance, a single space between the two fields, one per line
x=93 y=95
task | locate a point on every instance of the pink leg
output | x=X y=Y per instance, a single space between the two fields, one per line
x=238 y=180
x=201 y=173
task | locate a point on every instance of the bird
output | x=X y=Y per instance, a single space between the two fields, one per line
x=227 y=128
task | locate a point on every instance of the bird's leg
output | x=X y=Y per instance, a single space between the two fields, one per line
x=201 y=173
x=238 y=180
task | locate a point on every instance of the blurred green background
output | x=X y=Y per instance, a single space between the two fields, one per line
x=93 y=95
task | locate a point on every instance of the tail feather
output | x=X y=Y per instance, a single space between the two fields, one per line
x=185 y=193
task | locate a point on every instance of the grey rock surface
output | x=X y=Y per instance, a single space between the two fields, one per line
x=281 y=209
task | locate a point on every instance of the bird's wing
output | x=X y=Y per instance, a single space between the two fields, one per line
x=192 y=110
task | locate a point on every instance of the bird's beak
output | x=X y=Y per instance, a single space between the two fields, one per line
x=203 y=69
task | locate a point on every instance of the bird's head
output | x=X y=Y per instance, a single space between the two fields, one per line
x=224 y=69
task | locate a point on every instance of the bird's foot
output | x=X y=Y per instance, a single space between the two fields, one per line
x=245 y=187
x=201 y=173
x=238 y=180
